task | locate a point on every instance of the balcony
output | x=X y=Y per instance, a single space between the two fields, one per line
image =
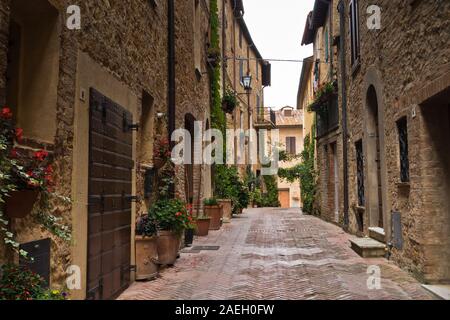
x=265 y=118
x=328 y=118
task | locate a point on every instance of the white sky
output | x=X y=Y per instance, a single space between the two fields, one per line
x=277 y=28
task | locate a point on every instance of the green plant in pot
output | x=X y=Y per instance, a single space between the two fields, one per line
x=146 y=248
x=213 y=210
x=229 y=101
x=172 y=219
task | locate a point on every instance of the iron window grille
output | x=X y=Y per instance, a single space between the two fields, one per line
x=402 y=127
x=360 y=173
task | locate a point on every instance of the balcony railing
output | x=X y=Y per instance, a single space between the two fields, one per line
x=265 y=118
x=328 y=119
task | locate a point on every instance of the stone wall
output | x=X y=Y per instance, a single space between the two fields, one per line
x=408 y=52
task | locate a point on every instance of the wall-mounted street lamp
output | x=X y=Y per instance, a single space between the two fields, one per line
x=247 y=82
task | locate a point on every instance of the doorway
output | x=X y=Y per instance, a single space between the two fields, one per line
x=189 y=125
x=335 y=178
x=284 y=198
x=374 y=146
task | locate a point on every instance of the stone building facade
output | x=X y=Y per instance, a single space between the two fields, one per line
x=289 y=122
x=241 y=58
x=56 y=79
x=395 y=86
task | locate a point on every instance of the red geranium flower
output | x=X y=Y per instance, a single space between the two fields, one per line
x=13 y=154
x=49 y=169
x=179 y=214
x=19 y=134
x=40 y=155
x=6 y=113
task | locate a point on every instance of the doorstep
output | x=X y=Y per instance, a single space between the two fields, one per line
x=368 y=247
x=377 y=234
x=441 y=291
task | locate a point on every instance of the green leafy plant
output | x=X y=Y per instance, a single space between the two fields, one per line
x=22 y=169
x=320 y=103
x=171 y=215
x=19 y=283
x=228 y=185
x=146 y=226
x=305 y=173
x=229 y=101
x=210 y=202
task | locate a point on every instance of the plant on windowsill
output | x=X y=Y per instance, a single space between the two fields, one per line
x=161 y=153
x=229 y=101
x=322 y=98
x=27 y=185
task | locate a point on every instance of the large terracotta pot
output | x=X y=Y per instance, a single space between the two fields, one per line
x=227 y=209
x=168 y=246
x=21 y=203
x=203 y=227
x=146 y=258
x=215 y=213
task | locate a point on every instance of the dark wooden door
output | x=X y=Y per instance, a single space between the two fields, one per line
x=110 y=188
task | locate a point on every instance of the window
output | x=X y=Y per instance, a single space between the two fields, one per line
x=288 y=113
x=291 y=145
x=258 y=102
x=354 y=31
x=197 y=36
x=360 y=173
x=326 y=44
x=257 y=69
x=402 y=126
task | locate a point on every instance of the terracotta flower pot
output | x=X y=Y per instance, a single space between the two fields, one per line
x=215 y=213
x=203 y=227
x=21 y=203
x=227 y=209
x=146 y=258
x=168 y=244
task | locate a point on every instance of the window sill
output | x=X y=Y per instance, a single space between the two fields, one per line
x=403 y=184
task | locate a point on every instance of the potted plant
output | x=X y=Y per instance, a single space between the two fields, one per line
x=227 y=209
x=229 y=101
x=172 y=219
x=161 y=153
x=213 y=210
x=146 y=248
x=203 y=224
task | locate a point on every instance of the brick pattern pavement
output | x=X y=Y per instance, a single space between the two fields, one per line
x=273 y=254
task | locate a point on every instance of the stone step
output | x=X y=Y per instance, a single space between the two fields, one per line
x=377 y=234
x=368 y=247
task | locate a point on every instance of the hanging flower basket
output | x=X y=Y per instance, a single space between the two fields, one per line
x=20 y=203
x=229 y=101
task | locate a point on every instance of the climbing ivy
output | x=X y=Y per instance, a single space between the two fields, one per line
x=304 y=172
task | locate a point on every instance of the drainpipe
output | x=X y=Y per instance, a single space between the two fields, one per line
x=341 y=9
x=224 y=60
x=171 y=75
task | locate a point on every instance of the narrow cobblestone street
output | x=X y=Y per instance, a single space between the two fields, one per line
x=276 y=254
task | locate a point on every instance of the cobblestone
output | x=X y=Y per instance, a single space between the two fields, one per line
x=273 y=254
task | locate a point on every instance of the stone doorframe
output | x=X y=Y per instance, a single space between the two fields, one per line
x=373 y=78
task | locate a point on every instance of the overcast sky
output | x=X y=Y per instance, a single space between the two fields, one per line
x=277 y=27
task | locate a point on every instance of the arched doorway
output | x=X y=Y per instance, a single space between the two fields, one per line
x=374 y=146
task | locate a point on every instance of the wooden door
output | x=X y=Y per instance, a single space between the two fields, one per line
x=284 y=198
x=110 y=187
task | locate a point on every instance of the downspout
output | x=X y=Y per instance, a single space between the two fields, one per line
x=341 y=9
x=224 y=59
x=171 y=77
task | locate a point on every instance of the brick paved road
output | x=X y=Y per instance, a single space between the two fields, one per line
x=276 y=254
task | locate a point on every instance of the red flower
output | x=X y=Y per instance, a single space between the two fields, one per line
x=13 y=154
x=48 y=170
x=19 y=134
x=6 y=113
x=40 y=155
x=179 y=214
